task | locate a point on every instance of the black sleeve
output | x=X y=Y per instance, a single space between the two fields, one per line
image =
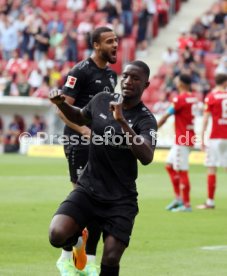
x=147 y=127
x=74 y=82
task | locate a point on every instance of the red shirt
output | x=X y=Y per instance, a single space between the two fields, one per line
x=184 y=106
x=216 y=104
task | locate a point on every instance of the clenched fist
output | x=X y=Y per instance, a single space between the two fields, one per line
x=56 y=96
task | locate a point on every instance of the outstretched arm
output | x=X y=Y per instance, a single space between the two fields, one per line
x=72 y=113
x=141 y=149
x=170 y=111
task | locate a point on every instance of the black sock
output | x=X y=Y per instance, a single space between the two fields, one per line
x=68 y=248
x=94 y=233
x=109 y=270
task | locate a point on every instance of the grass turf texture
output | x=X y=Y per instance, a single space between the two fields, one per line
x=162 y=243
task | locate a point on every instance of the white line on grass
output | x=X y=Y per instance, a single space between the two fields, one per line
x=215 y=247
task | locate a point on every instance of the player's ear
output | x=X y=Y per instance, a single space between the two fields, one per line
x=146 y=84
x=96 y=45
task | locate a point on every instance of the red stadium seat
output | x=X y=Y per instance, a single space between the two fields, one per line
x=61 y=6
x=47 y=5
x=98 y=17
x=128 y=46
x=67 y=16
x=80 y=16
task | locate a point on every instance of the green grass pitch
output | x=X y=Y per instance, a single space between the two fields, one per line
x=162 y=243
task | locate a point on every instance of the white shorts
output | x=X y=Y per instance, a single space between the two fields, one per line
x=216 y=153
x=178 y=157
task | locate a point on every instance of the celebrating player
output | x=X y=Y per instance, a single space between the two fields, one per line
x=84 y=81
x=121 y=133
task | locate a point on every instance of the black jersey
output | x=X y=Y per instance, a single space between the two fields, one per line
x=112 y=168
x=85 y=80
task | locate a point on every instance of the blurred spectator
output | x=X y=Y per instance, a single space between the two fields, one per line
x=42 y=42
x=35 y=79
x=169 y=85
x=207 y=18
x=218 y=45
x=55 y=24
x=163 y=12
x=4 y=78
x=55 y=38
x=84 y=27
x=11 y=88
x=198 y=65
x=27 y=42
x=197 y=27
x=55 y=76
x=111 y=11
x=6 y=8
x=9 y=37
x=71 y=42
x=38 y=125
x=126 y=14
x=16 y=127
x=203 y=85
x=170 y=56
x=187 y=55
x=184 y=40
x=14 y=63
x=222 y=66
x=118 y=27
x=22 y=85
x=161 y=105
x=143 y=19
x=45 y=65
x=43 y=90
x=75 y=5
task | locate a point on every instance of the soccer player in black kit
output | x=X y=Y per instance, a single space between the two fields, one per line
x=122 y=131
x=84 y=81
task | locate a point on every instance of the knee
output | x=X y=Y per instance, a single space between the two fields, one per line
x=111 y=259
x=56 y=236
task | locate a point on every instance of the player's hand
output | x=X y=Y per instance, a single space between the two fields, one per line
x=116 y=108
x=56 y=96
x=86 y=132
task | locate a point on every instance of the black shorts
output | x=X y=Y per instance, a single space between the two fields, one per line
x=114 y=218
x=77 y=159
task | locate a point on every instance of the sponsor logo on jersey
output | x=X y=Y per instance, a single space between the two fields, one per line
x=106 y=89
x=190 y=100
x=71 y=81
x=98 y=81
x=109 y=131
x=220 y=96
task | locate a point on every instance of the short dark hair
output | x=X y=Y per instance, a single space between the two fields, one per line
x=220 y=79
x=143 y=66
x=186 y=79
x=96 y=34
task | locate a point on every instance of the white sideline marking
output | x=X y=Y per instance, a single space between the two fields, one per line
x=215 y=247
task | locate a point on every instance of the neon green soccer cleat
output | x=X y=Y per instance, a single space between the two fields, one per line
x=91 y=269
x=67 y=268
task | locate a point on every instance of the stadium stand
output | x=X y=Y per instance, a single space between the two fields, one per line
x=24 y=20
